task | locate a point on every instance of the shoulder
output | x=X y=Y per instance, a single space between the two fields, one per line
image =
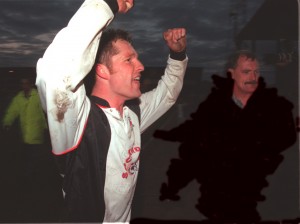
x=34 y=93
x=18 y=96
x=270 y=98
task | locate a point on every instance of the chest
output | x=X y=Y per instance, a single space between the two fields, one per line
x=125 y=143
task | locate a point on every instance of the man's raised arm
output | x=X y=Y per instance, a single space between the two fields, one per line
x=65 y=63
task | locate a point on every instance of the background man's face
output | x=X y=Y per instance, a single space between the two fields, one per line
x=26 y=85
x=245 y=75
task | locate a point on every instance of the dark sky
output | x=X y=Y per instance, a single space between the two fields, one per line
x=28 y=26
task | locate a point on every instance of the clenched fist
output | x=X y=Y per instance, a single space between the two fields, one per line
x=176 y=39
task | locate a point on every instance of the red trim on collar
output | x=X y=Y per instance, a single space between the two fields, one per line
x=101 y=106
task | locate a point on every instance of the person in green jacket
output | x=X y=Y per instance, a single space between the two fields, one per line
x=26 y=107
x=36 y=167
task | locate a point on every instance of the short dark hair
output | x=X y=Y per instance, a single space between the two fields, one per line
x=30 y=80
x=233 y=58
x=106 y=48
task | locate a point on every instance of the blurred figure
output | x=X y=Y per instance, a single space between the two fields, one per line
x=231 y=143
x=29 y=194
x=26 y=108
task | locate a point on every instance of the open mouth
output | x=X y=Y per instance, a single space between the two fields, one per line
x=251 y=83
x=137 y=79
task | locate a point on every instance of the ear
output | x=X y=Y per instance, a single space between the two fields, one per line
x=102 y=71
x=231 y=72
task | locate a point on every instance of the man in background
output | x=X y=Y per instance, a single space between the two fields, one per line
x=231 y=143
x=26 y=108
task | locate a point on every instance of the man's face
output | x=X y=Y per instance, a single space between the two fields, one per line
x=245 y=76
x=26 y=85
x=125 y=72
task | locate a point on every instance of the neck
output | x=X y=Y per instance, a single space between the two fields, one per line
x=27 y=93
x=114 y=102
x=242 y=97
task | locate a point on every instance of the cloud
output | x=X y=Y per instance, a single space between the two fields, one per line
x=28 y=27
x=208 y=23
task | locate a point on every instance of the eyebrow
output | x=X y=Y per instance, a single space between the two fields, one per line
x=246 y=70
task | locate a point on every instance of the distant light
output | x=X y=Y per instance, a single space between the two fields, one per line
x=11 y=71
